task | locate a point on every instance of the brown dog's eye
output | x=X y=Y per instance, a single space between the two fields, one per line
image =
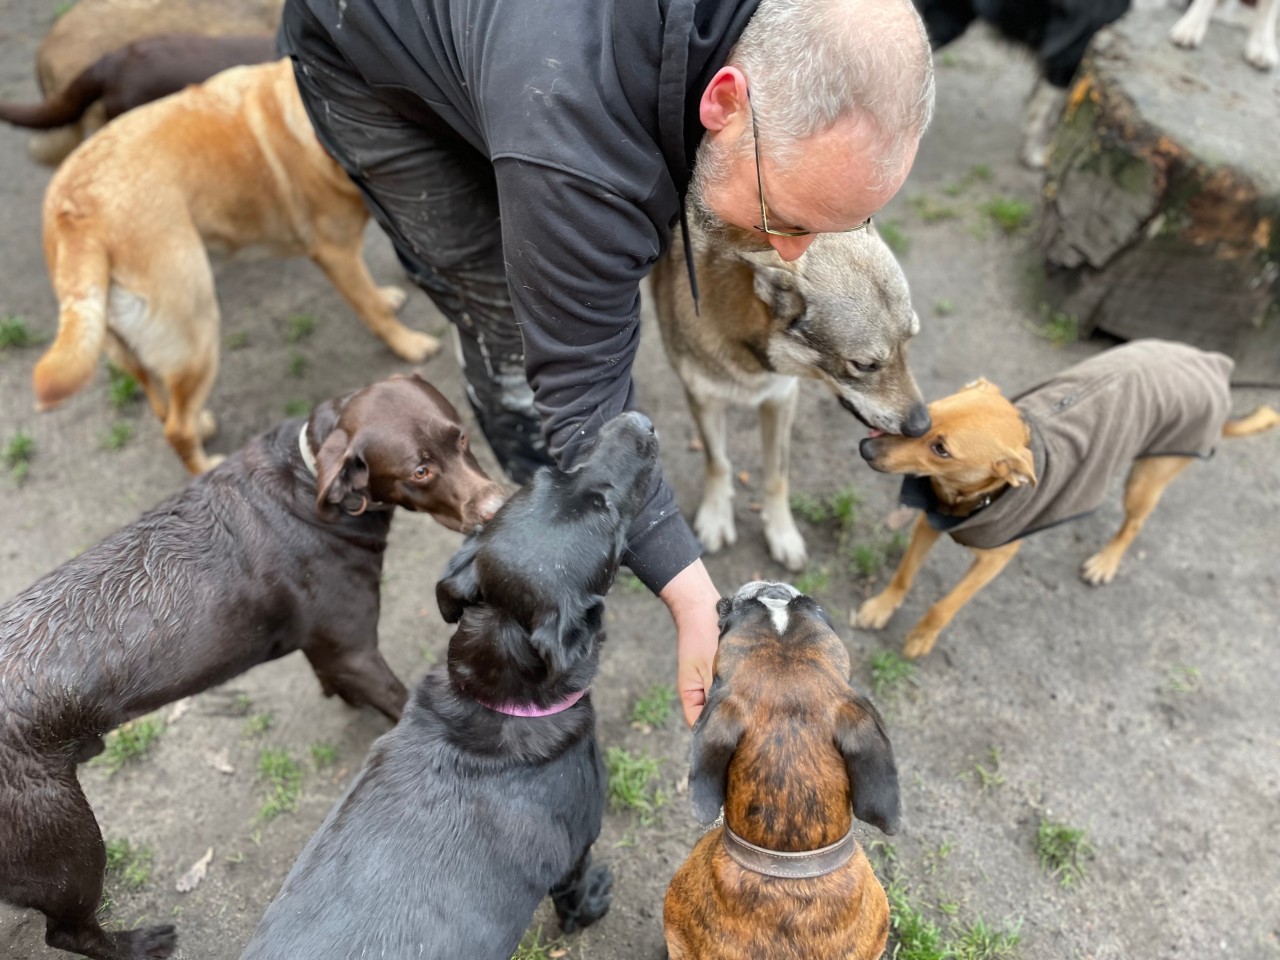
x=422 y=473
x=939 y=449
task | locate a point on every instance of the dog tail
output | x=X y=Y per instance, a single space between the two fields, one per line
x=62 y=108
x=1264 y=418
x=81 y=274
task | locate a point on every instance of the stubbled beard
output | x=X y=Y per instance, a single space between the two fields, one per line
x=710 y=168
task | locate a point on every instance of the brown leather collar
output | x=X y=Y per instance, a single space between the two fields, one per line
x=804 y=865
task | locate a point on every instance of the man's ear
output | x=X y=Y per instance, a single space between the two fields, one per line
x=340 y=471
x=563 y=635
x=715 y=739
x=775 y=286
x=983 y=385
x=459 y=587
x=1016 y=467
x=868 y=758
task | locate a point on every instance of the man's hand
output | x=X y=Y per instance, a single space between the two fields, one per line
x=691 y=597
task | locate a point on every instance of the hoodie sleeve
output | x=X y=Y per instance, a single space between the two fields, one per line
x=576 y=252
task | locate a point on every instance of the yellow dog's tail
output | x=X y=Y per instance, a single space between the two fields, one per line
x=81 y=275
x=1264 y=418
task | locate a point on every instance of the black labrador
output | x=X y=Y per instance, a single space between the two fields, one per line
x=277 y=549
x=490 y=791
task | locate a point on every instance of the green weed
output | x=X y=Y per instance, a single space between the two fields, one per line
x=283 y=779
x=297 y=365
x=944 y=307
x=297 y=408
x=930 y=211
x=654 y=708
x=633 y=584
x=1009 y=213
x=324 y=755
x=259 y=723
x=122 y=387
x=631 y=785
x=889 y=672
x=129 y=743
x=1057 y=327
x=119 y=435
x=132 y=865
x=532 y=948
x=301 y=326
x=238 y=340
x=1063 y=851
x=988 y=774
x=981 y=942
x=18 y=453
x=14 y=333
x=813 y=580
x=891 y=233
x=1182 y=678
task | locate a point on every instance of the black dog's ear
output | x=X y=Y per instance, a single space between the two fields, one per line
x=715 y=739
x=868 y=757
x=340 y=471
x=563 y=635
x=459 y=587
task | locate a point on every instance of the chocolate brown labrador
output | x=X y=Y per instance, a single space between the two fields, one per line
x=277 y=549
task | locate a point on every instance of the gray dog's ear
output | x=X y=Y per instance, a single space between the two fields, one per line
x=775 y=286
x=715 y=740
x=868 y=757
x=340 y=471
x=563 y=636
x=459 y=587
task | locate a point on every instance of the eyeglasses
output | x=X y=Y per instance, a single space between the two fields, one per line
x=763 y=225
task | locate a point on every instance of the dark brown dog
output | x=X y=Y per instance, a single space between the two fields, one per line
x=792 y=754
x=138 y=73
x=278 y=549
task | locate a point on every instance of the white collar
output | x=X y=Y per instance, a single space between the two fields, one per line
x=304 y=447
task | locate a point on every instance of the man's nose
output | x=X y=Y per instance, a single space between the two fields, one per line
x=790 y=248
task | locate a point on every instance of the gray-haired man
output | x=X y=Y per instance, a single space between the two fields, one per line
x=529 y=158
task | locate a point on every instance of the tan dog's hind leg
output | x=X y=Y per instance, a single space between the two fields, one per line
x=875 y=613
x=1264 y=418
x=713 y=522
x=345 y=267
x=987 y=564
x=188 y=421
x=1148 y=478
x=786 y=545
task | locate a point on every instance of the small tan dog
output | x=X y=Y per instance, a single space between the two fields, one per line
x=991 y=471
x=229 y=163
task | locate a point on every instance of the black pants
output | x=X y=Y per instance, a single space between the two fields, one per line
x=436 y=198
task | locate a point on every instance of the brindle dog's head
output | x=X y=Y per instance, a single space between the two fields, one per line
x=400 y=442
x=783 y=736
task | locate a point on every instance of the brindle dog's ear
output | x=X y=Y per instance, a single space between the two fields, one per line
x=715 y=739
x=868 y=756
x=340 y=471
x=563 y=635
x=459 y=587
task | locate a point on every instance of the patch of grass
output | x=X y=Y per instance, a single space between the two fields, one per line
x=14 y=333
x=944 y=307
x=122 y=387
x=868 y=558
x=129 y=743
x=654 y=708
x=130 y=864
x=297 y=408
x=1057 y=327
x=917 y=937
x=810 y=508
x=988 y=773
x=324 y=755
x=18 y=453
x=891 y=233
x=301 y=326
x=238 y=340
x=1009 y=213
x=930 y=211
x=1182 y=678
x=843 y=507
x=631 y=785
x=633 y=584
x=980 y=172
x=1063 y=851
x=119 y=435
x=297 y=365
x=259 y=723
x=283 y=779
x=889 y=671
x=242 y=704
x=981 y=942
x=813 y=580
x=532 y=948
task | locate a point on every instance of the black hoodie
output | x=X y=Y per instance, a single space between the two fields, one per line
x=588 y=110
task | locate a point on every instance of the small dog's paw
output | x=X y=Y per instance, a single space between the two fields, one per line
x=786 y=545
x=1261 y=52
x=413 y=346
x=1188 y=32
x=592 y=898
x=714 y=524
x=919 y=642
x=1100 y=569
x=876 y=612
x=393 y=297
x=206 y=425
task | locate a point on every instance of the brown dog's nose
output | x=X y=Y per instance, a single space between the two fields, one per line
x=490 y=505
x=918 y=422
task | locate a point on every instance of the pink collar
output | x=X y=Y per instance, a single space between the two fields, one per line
x=529 y=710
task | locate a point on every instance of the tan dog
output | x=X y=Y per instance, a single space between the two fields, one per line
x=792 y=754
x=841 y=314
x=991 y=471
x=230 y=163
x=93 y=28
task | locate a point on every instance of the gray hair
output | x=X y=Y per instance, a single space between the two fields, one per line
x=810 y=63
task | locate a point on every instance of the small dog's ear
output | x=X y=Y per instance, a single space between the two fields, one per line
x=715 y=739
x=563 y=635
x=724 y=607
x=1018 y=467
x=340 y=471
x=983 y=385
x=459 y=587
x=775 y=286
x=868 y=757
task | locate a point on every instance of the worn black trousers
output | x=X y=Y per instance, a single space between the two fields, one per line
x=436 y=198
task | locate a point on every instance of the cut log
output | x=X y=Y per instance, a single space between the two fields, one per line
x=1162 y=198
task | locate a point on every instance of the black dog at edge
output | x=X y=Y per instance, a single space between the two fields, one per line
x=465 y=816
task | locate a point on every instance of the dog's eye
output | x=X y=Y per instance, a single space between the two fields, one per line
x=940 y=449
x=871 y=367
x=423 y=472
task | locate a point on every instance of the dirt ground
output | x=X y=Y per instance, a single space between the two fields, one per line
x=1145 y=713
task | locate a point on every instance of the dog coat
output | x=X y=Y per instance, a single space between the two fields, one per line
x=1148 y=398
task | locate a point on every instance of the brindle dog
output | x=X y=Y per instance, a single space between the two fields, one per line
x=792 y=754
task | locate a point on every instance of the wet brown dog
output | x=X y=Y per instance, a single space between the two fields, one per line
x=228 y=164
x=278 y=549
x=991 y=471
x=792 y=754
x=138 y=73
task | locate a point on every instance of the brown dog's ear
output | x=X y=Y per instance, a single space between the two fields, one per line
x=983 y=385
x=715 y=739
x=868 y=757
x=340 y=471
x=459 y=587
x=1018 y=467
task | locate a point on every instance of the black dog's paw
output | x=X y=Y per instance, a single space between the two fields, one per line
x=152 y=943
x=587 y=901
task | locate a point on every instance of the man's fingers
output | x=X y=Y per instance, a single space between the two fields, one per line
x=693 y=701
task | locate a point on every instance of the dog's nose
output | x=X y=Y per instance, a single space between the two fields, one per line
x=777 y=591
x=917 y=423
x=867 y=448
x=490 y=505
x=644 y=421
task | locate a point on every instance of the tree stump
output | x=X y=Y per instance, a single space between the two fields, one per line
x=1162 y=199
